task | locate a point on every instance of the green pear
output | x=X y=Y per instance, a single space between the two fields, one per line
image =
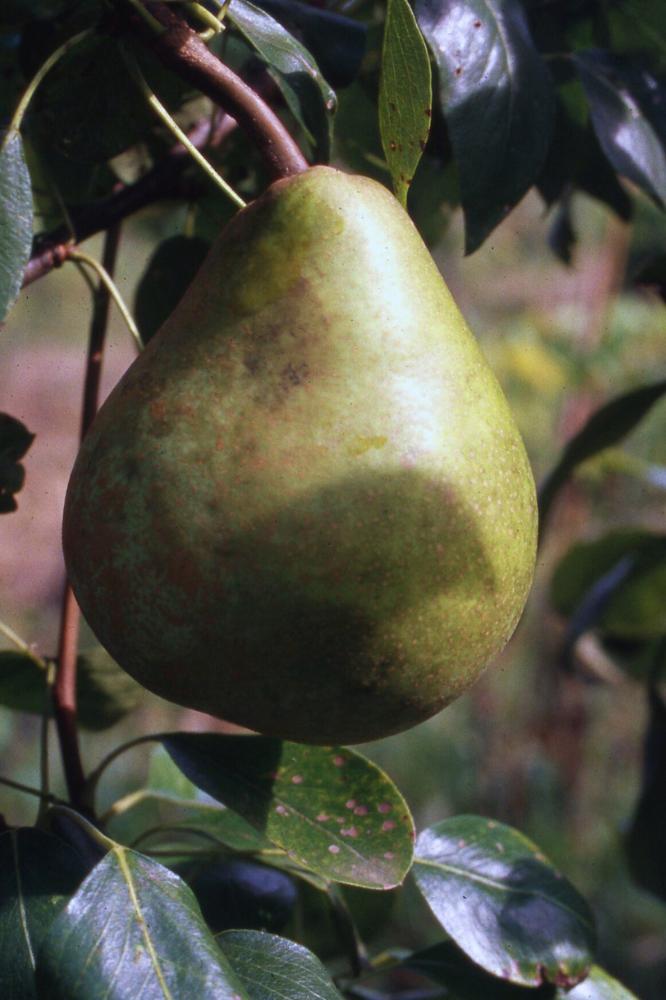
x=306 y=507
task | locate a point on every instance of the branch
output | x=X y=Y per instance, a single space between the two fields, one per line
x=181 y=50
x=165 y=180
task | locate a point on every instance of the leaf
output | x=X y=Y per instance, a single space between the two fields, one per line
x=498 y=99
x=605 y=427
x=617 y=581
x=15 y=439
x=38 y=874
x=652 y=273
x=598 y=986
x=168 y=273
x=236 y=892
x=105 y=692
x=638 y=26
x=627 y=113
x=270 y=967
x=330 y=809
x=133 y=929
x=503 y=903
x=309 y=97
x=445 y=964
x=17 y=12
x=15 y=220
x=336 y=42
x=405 y=96
x=644 y=841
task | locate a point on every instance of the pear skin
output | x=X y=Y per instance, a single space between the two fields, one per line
x=306 y=507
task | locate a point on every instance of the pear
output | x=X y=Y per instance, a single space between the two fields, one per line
x=306 y=508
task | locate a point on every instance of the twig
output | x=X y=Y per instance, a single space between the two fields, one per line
x=165 y=180
x=64 y=689
x=181 y=50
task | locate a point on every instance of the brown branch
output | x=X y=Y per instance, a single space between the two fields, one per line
x=64 y=689
x=181 y=50
x=165 y=180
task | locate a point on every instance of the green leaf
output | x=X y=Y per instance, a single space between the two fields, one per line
x=632 y=565
x=330 y=809
x=270 y=967
x=336 y=42
x=133 y=928
x=15 y=220
x=309 y=97
x=405 y=95
x=168 y=273
x=605 y=427
x=503 y=903
x=38 y=874
x=445 y=964
x=638 y=26
x=598 y=986
x=498 y=100
x=629 y=119
x=105 y=692
x=236 y=892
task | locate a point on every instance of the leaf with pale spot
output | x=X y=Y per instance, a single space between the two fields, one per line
x=332 y=810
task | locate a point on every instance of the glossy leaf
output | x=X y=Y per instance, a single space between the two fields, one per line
x=270 y=967
x=133 y=929
x=598 y=986
x=617 y=581
x=503 y=903
x=308 y=95
x=405 y=95
x=498 y=99
x=168 y=273
x=605 y=427
x=337 y=42
x=38 y=874
x=15 y=220
x=330 y=809
x=627 y=113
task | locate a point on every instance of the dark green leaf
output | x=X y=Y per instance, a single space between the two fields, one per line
x=653 y=274
x=605 y=427
x=15 y=220
x=133 y=928
x=336 y=42
x=38 y=873
x=445 y=964
x=236 y=892
x=644 y=843
x=405 y=96
x=270 y=967
x=561 y=235
x=92 y=109
x=626 y=107
x=105 y=692
x=498 y=99
x=617 y=582
x=15 y=439
x=503 y=903
x=330 y=809
x=309 y=97
x=638 y=26
x=168 y=273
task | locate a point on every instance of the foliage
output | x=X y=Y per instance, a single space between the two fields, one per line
x=452 y=102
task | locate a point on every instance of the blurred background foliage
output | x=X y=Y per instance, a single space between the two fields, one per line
x=551 y=739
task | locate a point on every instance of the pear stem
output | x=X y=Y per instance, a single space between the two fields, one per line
x=64 y=688
x=181 y=50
